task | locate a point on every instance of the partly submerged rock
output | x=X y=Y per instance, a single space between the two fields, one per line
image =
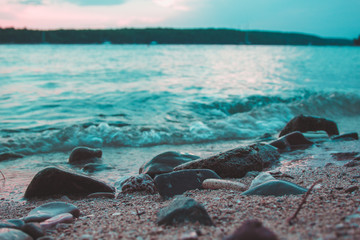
x=252 y=230
x=95 y=167
x=11 y=233
x=9 y=155
x=237 y=162
x=183 y=209
x=346 y=137
x=291 y=141
x=165 y=162
x=54 y=181
x=83 y=155
x=308 y=123
x=139 y=183
x=276 y=188
x=50 y=210
x=175 y=183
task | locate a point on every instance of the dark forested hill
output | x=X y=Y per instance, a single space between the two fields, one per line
x=164 y=36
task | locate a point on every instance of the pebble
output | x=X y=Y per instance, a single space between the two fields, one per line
x=351 y=189
x=101 y=195
x=252 y=230
x=223 y=184
x=138 y=183
x=61 y=218
x=276 y=188
x=83 y=155
x=10 y=233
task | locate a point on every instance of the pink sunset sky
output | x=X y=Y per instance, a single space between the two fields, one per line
x=327 y=18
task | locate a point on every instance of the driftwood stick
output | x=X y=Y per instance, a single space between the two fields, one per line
x=4 y=178
x=293 y=217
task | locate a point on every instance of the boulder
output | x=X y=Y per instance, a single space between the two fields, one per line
x=83 y=155
x=175 y=183
x=237 y=162
x=291 y=141
x=254 y=230
x=50 y=210
x=165 y=162
x=183 y=209
x=307 y=123
x=276 y=188
x=54 y=181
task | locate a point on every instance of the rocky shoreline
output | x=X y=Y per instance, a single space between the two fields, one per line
x=160 y=203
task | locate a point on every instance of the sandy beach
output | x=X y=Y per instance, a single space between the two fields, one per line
x=325 y=215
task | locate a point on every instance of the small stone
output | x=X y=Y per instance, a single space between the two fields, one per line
x=189 y=236
x=9 y=155
x=33 y=229
x=276 y=188
x=252 y=230
x=261 y=178
x=165 y=163
x=50 y=210
x=352 y=163
x=344 y=155
x=95 y=167
x=347 y=137
x=183 y=209
x=351 y=189
x=61 y=218
x=10 y=233
x=83 y=155
x=86 y=237
x=291 y=141
x=139 y=183
x=223 y=184
x=175 y=183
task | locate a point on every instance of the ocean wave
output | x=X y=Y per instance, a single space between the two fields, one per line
x=214 y=120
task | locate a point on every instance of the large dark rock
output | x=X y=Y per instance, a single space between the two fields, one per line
x=54 y=181
x=183 y=209
x=165 y=162
x=252 y=230
x=50 y=210
x=10 y=233
x=291 y=141
x=276 y=188
x=175 y=183
x=83 y=155
x=307 y=123
x=346 y=137
x=237 y=162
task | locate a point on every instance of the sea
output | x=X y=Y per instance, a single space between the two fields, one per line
x=137 y=101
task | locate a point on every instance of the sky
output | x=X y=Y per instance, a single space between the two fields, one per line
x=325 y=18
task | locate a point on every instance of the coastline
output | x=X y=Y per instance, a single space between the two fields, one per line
x=325 y=215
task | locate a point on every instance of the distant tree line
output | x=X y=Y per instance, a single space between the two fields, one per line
x=164 y=36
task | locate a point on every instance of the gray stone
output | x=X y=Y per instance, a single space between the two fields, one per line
x=95 y=167
x=9 y=155
x=308 y=123
x=53 y=221
x=139 y=183
x=175 y=183
x=237 y=162
x=54 y=181
x=291 y=141
x=252 y=230
x=165 y=162
x=260 y=179
x=33 y=229
x=183 y=209
x=50 y=210
x=13 y=234
x=276 y=188
x=83 y=155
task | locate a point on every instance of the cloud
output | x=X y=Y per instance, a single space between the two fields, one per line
x=31 y=2
x=95 y=2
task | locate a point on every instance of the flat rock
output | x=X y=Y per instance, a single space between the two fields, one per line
x=139 y=183
x=95 y=167
x=237 y=162
x=223 y=184
x=308 y=123
x=83 y=155
x=175 y=183
x=342 y=156
x=101 y=195
x=346 y=137
x=54 y=181
x=9 y=155
x=252 y=230
x=276 y=188
x=291 y=141
x=61 y=218
x=10 y=233
x=165 y=163
x=50 y=210
x=183 y=209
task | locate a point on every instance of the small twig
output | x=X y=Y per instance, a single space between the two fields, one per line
x=4 y=178
x=293 y=217
x=139 y=213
